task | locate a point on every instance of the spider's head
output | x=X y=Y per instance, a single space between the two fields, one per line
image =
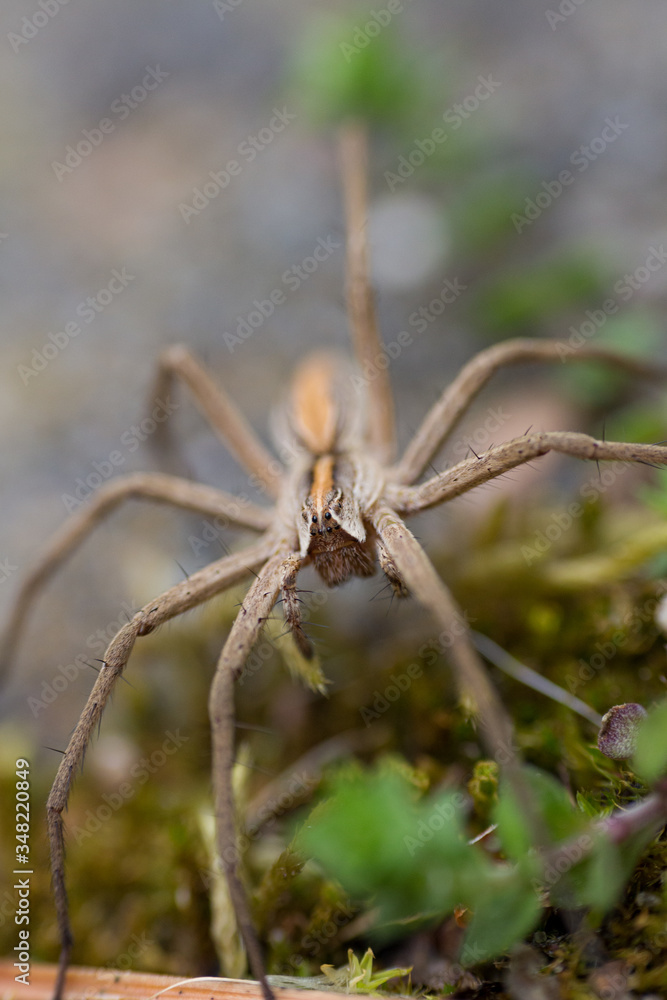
x=330 y=526
x=333 y=534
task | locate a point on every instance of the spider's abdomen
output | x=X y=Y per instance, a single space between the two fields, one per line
x=324 y=411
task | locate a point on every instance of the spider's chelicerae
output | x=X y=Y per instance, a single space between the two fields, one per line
x=340 y=505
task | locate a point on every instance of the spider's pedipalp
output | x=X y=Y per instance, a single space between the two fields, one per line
x=388 y=567
x=291 y=602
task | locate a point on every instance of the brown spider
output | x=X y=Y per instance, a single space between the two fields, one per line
x=339 y=505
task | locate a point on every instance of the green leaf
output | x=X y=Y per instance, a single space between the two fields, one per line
x=358 y=976
x=379 y=842
x=590 y=807
x=552 y=806
x=512 y=827
x=602 y=877
x=605 y=876
x=364 y=820
x=505 y=908
x=650 y=759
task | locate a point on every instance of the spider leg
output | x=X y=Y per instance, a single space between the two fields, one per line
x=423 y=582
x=220 y=411
x=366 y=340
x=441 y=420
x=141 y=485
x=256 y=607
x=188 y=594
x=493 y=463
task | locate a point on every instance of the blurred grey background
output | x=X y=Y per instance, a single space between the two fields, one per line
x=115 y=113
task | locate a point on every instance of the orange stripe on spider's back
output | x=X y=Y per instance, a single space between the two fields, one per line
x=315 y=409
x=322 y=480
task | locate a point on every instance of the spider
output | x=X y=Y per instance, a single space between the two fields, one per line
x=339 y=505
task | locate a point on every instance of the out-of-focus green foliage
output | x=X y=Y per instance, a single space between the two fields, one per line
x=650 y=758
x=377 y=840
x=336 y=76
x=517 y=301
x=410 y=861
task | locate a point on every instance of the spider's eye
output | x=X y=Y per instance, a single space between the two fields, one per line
x=329 y=529
x=327 y=516
x=314 y=518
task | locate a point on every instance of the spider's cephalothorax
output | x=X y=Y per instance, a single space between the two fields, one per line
x=337 y=484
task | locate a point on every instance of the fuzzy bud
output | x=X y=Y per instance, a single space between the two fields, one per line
x=617 y=738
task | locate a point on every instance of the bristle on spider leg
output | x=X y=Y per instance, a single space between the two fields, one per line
x=254 y=767
x=386 y=586
x=254 y=728
x=185 y=573
x=122 y=677
x=651 y=465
